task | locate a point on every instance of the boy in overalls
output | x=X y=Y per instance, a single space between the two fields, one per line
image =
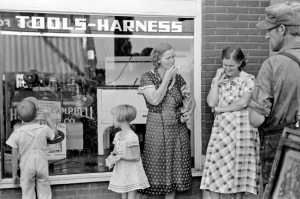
x=29 y=142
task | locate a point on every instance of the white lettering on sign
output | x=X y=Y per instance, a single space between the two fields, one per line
x=53 y=23
x=164 y=26
x=128 y=25
x=22 y=21
x=152 y=26
x=140 y=26
x=57 y=23
x=80 y=24
x=38 y=22
x=79 y=111
x=102 y=25
x=86 y=112
x=5 y=23
x=176 y=26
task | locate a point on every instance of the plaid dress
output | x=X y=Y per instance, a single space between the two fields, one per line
x=232 y=160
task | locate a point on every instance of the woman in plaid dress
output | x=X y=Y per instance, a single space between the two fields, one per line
x=232 y=161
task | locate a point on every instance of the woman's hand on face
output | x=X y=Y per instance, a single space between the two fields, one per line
x=171 y=72
x=220 y=74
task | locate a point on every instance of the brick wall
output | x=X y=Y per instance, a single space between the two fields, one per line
x=96 y=190
x=229 y=23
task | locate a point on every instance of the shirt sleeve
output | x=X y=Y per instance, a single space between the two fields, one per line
x=249 y=86
x=262 y=93
x=13 y=140
x=115 y=138
x=212 y=82
x=49 y=132
x=146 y=82
x=132 y=140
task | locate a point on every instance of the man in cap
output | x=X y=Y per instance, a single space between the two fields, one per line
x=276 y=95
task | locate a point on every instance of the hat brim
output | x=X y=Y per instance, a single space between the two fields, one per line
x=33 y=100
x=265 y=25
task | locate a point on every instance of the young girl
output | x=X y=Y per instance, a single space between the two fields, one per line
x=128 y=175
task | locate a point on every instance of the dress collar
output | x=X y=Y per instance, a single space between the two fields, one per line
x=237 y=79
x=155 y=72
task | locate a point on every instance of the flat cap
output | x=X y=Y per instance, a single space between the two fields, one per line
x=287 y=13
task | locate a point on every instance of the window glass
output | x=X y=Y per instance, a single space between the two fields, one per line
x=79 y=67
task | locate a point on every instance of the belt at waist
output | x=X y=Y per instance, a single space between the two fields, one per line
x=160 y=111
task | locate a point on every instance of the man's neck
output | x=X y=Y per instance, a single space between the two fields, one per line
x=290 y=41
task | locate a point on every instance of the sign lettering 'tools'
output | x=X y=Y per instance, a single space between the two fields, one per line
x=103 y=25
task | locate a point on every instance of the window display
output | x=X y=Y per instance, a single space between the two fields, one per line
x=79 y=67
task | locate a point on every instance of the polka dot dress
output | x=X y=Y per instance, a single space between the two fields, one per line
x=167 y=151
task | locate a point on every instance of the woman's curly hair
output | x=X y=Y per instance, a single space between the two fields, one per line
x=158 y=51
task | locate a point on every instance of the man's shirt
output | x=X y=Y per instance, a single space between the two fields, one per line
x=276 y=93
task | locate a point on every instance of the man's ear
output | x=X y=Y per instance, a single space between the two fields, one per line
x=282 y=29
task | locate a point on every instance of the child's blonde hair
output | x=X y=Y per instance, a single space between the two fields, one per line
x=124 y=113
x=26 y=111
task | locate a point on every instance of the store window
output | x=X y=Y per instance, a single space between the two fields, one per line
x=79 y=67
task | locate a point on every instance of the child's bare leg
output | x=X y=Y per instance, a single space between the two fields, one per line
x=170 y=195
x=132 y=194
x=124 y=195
x=238 y=196
x=141 y=196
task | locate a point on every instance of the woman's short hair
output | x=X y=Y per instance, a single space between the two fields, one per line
x=158 y=51
x=26 y=111
x=124 y=113
x=236 y=54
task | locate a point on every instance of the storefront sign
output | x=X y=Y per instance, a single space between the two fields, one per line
x=93 y=24
x=57 y=23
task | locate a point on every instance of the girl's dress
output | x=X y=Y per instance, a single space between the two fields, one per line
x=232 y=160
x=127 y=175
x=167 y=152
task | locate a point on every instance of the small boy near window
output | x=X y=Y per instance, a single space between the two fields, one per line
x=29 y=143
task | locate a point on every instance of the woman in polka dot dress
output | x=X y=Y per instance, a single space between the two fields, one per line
x=167 y=152
x=232 y=163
